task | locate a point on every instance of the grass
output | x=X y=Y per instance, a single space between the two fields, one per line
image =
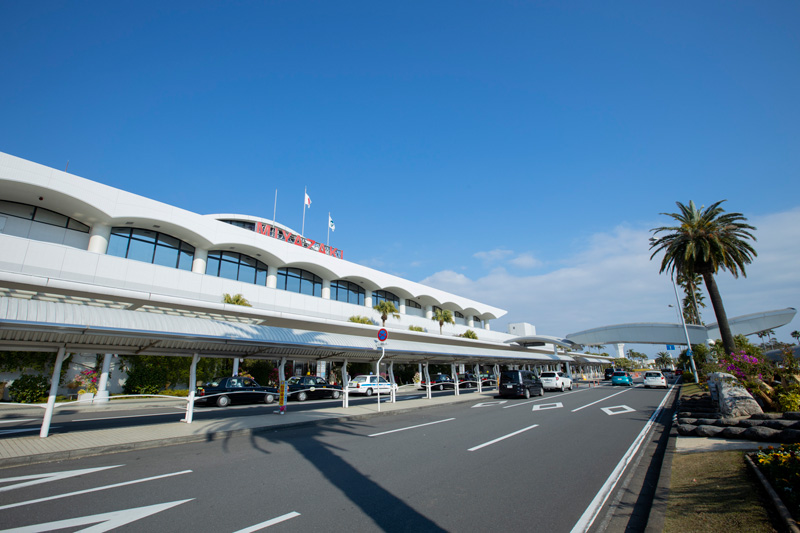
x=687 y=389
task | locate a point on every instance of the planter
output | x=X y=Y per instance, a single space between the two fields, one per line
x=86 y=397
x=783 y=512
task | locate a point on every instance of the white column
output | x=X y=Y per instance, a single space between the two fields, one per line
x=620 y=350
x=272 y=277
x=102 y=386
x=192 y=388
x=345 y=381
x=402 y=306
x=471 y=321
x=454 y=375
x=429 y=312
x=326 y=289
x=393 y=394
x=367 y=298
x=199 y=261
x=235 y=367
x=477 y=370
x=428 y=381
x=98 y=238
x=486 y=325
x=51 y=399
x=282 y=387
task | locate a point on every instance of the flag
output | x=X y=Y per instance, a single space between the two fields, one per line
x=330 y=223
x=308 y=200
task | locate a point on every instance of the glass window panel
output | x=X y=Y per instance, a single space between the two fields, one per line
x=143 y=235
x=230 y=256
x=141 y=251
x=77 y=226
x=118 y=245
x=16 y=209
x=185 y=260
x=166 y=256
x=187 y=247
x=228 y=270
x=247 y=273
x=247 y=260
x=282 y=279
x=261 y=277
x=212 y=265
x=121 y=231
x=50 y=217
x=168 y=240
x=292 y=284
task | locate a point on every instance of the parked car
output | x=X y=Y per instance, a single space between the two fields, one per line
x=556 y=381
x=520 y=383
x=302 y=388
x=369 y=385
x=438 y=382
x=467 y=380
x=679 y=372
x=224 y=391
x=488 y=379
x=621 y=377
x=654 y=379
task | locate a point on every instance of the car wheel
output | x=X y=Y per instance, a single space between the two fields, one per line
x=223 y=401
x=527 y=393
x=541 y=391
x=562 y=387
x=335 y=395
x=570 y=385
x=302 y=396
x=441 y=387
x=369 y=392
x=269 y=398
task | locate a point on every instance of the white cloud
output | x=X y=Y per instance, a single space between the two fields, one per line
x=612 y=280
x=492 y=256
x=525 y=260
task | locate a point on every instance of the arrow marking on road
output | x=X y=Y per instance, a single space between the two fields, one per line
x=35 y=479
x=545 y=406
x=484 y=404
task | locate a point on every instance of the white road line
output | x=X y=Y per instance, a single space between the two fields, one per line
x=501 y=438
x=591 y=512
x=126 y=416
x=410 y=427
x=36 y=479
x=542 y=398
x=268 y=523
x=16 y=420
x=96 y=489
x=600 y=400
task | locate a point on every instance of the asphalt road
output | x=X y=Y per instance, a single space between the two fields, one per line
x=525 y=465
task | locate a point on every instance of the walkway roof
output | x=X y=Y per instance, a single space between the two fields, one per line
x=37 y=325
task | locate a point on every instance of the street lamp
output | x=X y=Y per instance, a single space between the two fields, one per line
x=686 y=332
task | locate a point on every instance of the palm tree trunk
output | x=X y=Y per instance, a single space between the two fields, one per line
x=719 y=311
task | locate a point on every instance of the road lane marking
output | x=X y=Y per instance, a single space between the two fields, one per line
x=617 y=410
x=501 y=438
x=546 y=406
x=126 y=416
x=600 y=400
x=269 y=523
x=591 y=512
x=96 y=489
x=16 y=420
x=410 y=427
x=484 y=404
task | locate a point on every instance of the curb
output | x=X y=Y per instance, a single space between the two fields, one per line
x=199 y=437
x=658 y=506
x=786 y=517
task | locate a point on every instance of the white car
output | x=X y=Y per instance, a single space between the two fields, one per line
x=556 y=381
x=654 y=379
x=370 y=385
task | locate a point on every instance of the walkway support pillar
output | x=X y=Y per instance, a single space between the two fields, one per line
x=455 y=377
x=235 y=367
x=282 y=386
x=477 y=371
x=102 y=386
x=192 y=388
x=345 y=382
x=428 y=381
x=51 y=399
x=393 y=392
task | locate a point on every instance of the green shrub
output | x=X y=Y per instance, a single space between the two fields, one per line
x=29 y=389
x=469 y=334
x=788 y=399
x=181 y=393
x=688 y=377
x=145 y=379
x=358 y=319
x=416 y=328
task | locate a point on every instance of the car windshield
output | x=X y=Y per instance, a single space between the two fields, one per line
x=510 y=377
x=293 y=381
x=548 y=374
x=652 y=375
x=359 y=379
x=622 y=374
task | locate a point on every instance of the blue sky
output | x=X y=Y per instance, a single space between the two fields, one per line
x=514 y=152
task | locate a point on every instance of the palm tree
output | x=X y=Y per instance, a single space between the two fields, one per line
x=386 y=308
x=796 y=335
x=705 y=241
x=236 y=299
x=693 y=298
x=664 y=360
x=441 y=316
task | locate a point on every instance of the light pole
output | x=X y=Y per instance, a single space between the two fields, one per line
x=686 y=332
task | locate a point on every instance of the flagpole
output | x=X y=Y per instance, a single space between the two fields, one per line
x=275 y=210
x=303 y=228
x=328 y=243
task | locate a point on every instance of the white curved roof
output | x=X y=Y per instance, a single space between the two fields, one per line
x=94 y=203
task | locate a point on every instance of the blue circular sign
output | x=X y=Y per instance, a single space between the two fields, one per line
x=382 y=335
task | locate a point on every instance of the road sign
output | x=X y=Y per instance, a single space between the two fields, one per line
x=382 y=334
x=670 y=347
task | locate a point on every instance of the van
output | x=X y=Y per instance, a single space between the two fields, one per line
x=520 y=383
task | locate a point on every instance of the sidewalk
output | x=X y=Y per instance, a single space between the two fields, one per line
x=30 y=449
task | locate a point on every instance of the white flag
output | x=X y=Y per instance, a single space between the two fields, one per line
x=308 y=200
x=330 y=223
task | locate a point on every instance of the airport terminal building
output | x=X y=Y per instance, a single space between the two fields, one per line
x=74 y=248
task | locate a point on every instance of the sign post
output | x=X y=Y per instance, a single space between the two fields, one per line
x=382 y=336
